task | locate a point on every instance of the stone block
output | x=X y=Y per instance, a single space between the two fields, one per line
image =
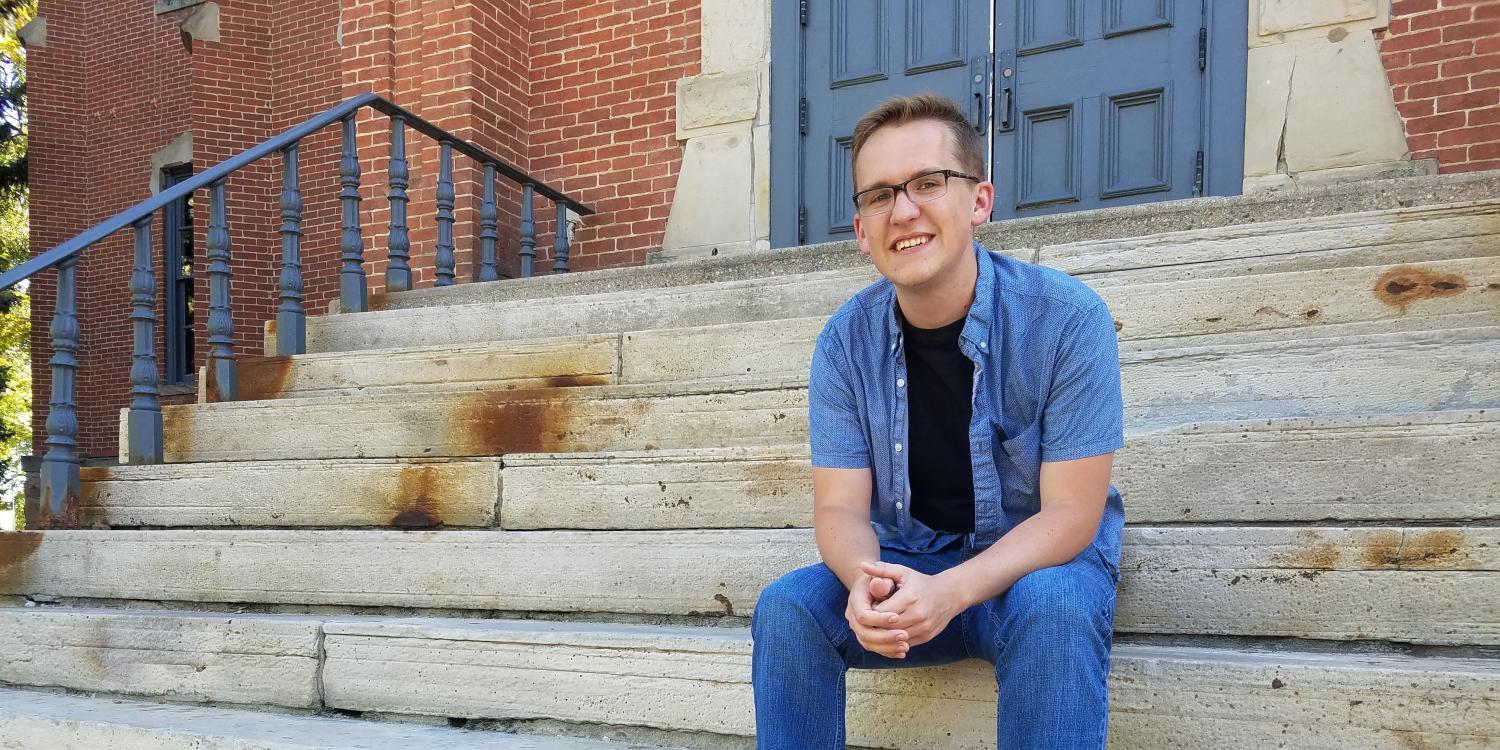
x=707 y=102
x=1277 y=16
x=1333 y=85
x=734 y=34
x=715 y=191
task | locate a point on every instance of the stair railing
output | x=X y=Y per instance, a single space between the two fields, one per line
x=58 y=506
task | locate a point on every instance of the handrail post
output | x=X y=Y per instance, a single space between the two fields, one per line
x=398 y=270
x=291 y=319
x=353 y=288
x=528 y=230
x=60 y=475
x=560 y=241
x=222 y=373
x=447 y=263
x=489 y=219
x=143 y=423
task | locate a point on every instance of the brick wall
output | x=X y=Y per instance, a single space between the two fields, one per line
x=1443 y=61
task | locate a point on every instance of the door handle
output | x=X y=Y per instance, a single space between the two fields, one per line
x=981 y=70
x=1006 y=61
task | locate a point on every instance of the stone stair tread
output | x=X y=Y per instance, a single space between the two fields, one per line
x=52 y=721
x=485 y=314
x=696 y=679
x=1342 y=582
x=1389 y=197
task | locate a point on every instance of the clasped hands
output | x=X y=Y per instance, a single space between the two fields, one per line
x=893 y=608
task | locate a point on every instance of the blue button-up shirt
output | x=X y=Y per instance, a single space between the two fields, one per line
x=1046 y=388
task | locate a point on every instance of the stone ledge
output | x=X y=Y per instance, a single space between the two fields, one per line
x=167 y=6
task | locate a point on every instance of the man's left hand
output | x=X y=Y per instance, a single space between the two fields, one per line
x=925 y=604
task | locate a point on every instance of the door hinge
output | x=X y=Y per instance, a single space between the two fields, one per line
x=801 y=224
x=802 y=12
x=802 y=115
x=1198 y=174
x=1202 y=48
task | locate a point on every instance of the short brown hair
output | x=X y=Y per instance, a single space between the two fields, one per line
x=967 y=143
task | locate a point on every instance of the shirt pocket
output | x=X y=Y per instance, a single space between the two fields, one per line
x=1019 y=463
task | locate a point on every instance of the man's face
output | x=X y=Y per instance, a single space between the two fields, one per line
x=915 y=243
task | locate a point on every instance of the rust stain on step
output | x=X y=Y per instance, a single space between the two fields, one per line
x=419 y=499
x=16 y=548
x=520 y=421
x=572 y=381
x=263 y=377
x=1435 y=549
x=1320 y=556
x=1402 y=286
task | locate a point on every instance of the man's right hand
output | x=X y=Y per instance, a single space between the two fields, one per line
x=868 y=625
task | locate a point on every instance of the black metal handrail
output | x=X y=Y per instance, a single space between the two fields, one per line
x=60 y=476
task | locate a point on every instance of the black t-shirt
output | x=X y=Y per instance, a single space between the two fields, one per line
x=940 y=392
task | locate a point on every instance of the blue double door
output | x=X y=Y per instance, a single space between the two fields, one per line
x=1083 y=103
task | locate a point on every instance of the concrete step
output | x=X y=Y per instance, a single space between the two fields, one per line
x=689 y=679
x=1023 y=237
x=484 y=315
x=1425 y=468
x=1255 y=306
x=1345 y=376
x=53 y=721
x=1284 y=581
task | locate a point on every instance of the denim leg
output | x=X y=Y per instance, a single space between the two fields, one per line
x=803 y=646
x=1050 y=645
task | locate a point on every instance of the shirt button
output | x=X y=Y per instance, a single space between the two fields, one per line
x=898 y=447
x=899 y=506
x=900 y=382
x=984 y=345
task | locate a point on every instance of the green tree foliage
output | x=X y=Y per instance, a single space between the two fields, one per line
x=15 y=306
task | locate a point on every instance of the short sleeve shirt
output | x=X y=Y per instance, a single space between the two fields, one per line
x=1046 y=388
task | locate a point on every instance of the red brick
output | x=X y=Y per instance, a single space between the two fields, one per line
x=1469 y=136
x=1470 y=100
x=1442 y=87
x=1441 y=52
x=1437 y=19
x=1435 y=123
x=1409 y=7
x=1409 y=42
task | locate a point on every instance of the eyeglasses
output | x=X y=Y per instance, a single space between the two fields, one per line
x=920 y=189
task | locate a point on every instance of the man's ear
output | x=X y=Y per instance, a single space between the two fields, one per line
x=984 y=203
x=859 y=233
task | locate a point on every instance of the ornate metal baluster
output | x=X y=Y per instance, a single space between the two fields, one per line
x=489 y=219
x=528 y=230
x=560 y=242
x=144 y=443
x=59 y=484
x=446 y=262
x=291 y=320
x=353 y=289
x=398 y=271
x=222 y=374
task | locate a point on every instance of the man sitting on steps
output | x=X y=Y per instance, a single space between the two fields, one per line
x=964 y=411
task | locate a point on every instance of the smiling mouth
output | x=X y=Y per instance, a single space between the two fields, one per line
x=911 y=242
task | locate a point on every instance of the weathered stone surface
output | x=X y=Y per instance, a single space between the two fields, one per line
x=1348 y=376
x=1427 y=467
x=1309 y=582
x=818 y=293
x=1277 y=16
x=1018 y=237
x=559 y=362
x=701 y=488
x=173 y=655
x=48 y=721
x=699 y=679
x=369 y=492
x=714 y=99
x=735 y=34
x=487 y=422
x=1410 y=235
x=1333 y=84
x=715 y=190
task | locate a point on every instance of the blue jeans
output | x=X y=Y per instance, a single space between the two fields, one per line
x=1048 y=638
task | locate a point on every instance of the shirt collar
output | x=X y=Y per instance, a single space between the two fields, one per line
x=976 y=333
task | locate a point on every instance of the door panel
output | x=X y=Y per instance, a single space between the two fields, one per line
x=860 y=52
x=1105 y=97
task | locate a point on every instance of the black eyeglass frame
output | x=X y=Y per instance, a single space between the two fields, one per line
x=946 y=173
